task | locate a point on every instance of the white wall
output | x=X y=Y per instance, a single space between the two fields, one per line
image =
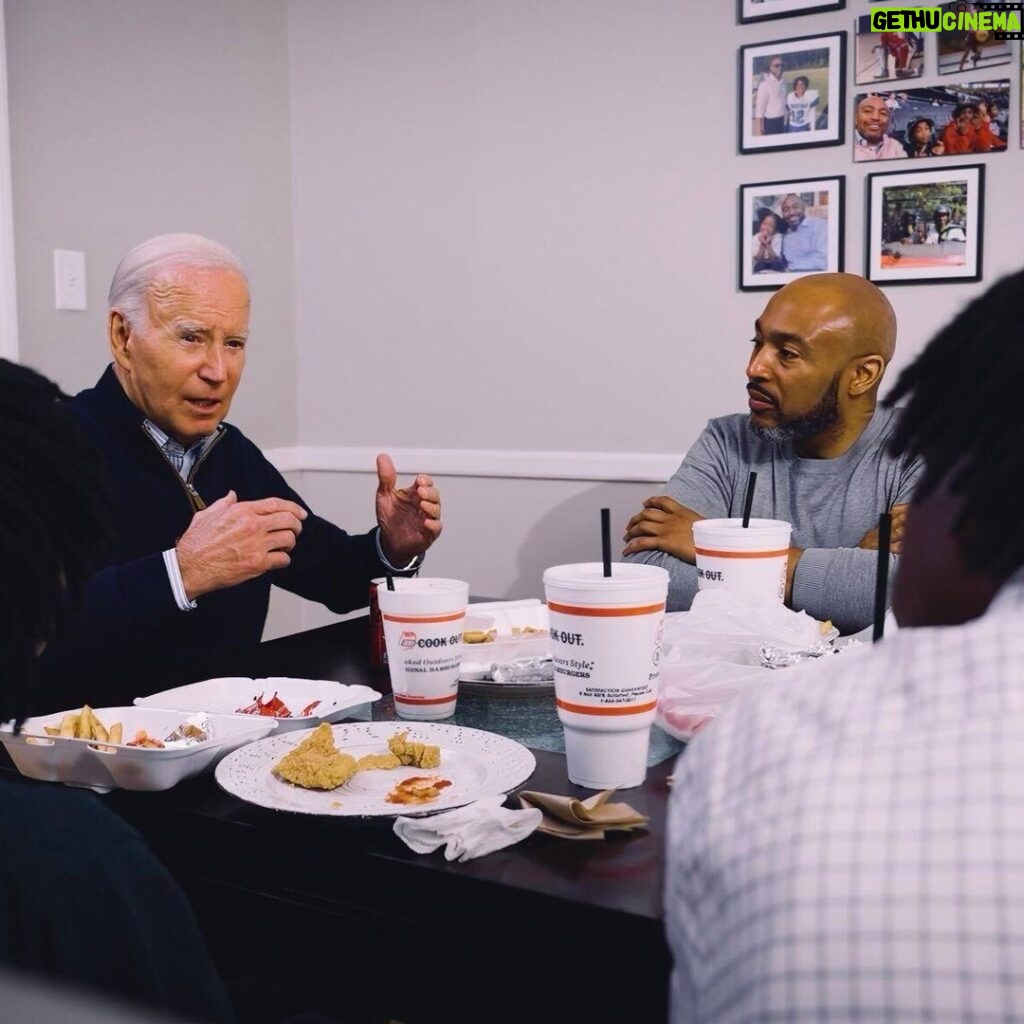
x=134 y=117
x=511 y=225
x=516 y=228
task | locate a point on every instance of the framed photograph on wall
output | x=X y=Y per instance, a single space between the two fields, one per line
x=791 y=93
x=886 y=56
x=940 y=120
x=925 y=225
x=765 y=10
x=789 y=229
x=966 y=49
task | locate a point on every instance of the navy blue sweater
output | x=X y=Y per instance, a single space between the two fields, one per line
x=129 y=619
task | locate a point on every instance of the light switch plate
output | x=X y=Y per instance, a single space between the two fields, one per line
x=69 y=278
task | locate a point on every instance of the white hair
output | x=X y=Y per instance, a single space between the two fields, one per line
x=144 y=264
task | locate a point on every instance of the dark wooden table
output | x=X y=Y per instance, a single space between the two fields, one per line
x=341 y=911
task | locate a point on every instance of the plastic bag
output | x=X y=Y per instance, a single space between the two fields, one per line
x=720 y=648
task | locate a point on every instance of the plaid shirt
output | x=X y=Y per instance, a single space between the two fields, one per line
x=847 y=844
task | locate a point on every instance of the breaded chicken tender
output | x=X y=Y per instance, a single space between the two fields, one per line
x=370 y=761
x=316 y=763
x=420 y=755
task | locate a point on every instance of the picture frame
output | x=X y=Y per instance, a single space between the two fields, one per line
x=958 y=51
x=926 y=225
x=959 y=120
x=792 y=93
x=886 y=56
x=749 y=11
x=814 y=223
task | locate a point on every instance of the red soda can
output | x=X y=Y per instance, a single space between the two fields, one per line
x=378 y=648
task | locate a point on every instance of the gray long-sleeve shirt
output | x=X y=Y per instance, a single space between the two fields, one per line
x=831 y=503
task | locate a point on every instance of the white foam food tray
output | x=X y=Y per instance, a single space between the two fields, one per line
x=503 y=617
x=226 y=694
x=104 y=766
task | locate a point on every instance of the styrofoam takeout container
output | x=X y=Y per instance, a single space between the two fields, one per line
x=226 y=694
x=502 y=616
x=103 y=766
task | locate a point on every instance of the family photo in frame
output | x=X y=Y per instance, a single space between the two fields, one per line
x=925 y=225
x=792 y=93
x=788 y=229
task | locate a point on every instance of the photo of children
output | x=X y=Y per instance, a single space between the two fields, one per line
x=967 y=50
x=886 y=56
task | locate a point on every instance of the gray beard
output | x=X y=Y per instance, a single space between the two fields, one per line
x=824 y=415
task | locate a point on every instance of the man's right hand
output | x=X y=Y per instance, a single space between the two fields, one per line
x=662 y=525
x=899 y=517
x=232 y=541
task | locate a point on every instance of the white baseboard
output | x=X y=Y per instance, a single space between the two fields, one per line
x=614 y=467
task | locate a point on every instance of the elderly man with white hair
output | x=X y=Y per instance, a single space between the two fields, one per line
x=205 y=523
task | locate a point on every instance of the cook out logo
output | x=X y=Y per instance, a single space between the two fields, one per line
x=1003 y=20
x=409 y=640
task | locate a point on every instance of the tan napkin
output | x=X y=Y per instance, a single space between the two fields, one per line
x=570 y=818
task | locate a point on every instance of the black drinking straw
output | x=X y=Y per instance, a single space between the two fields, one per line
x=606 y=540
x=882 y=574
x=748 y=499
x=391 y=581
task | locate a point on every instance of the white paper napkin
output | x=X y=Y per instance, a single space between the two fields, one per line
x=470 y=831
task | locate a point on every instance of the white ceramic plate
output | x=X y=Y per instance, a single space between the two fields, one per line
x=477 y=764
x=227 y=694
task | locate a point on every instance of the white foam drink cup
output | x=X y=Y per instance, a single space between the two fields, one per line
x=423 y=621
x=751 y=559
x=606 y=645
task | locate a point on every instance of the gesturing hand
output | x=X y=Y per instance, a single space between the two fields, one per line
x=662 y=525
x=232 y=541
x=899 y=518
x=409 y=518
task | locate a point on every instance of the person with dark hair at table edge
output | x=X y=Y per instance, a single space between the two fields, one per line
x=82 y=897
x=204 y=523
x=845 y=844
x=818 y=444
x=871 y=141
x=770 y=100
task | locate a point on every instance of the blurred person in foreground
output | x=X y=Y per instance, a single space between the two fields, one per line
x=817 y=443
x=82 y=897
x=204 y=523
x=845 y=843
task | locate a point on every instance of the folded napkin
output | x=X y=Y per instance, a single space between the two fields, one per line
x=470 y=831
x=570 y=818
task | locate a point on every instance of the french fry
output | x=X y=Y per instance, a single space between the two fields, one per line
x=84 y=730
x=52 y=730
x=114 y=734
x=69 y=726
x=99 y=730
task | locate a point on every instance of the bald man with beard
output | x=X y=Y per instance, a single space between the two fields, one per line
x=818 y=444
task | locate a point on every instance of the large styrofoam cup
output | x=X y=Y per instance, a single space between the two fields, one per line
x=606 y=644
x=423 y=622
x=751 y=559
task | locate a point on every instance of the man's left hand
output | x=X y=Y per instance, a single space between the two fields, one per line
x=409 y=517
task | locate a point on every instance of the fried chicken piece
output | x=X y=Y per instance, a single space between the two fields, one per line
x=370 y=761
x=420 y=755
x=316 y=763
